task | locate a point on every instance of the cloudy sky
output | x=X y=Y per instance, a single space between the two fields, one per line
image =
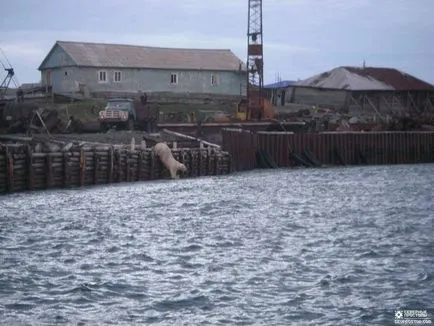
x=301 y=37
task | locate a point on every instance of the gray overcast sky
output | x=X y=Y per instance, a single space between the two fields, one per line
x=301 y=37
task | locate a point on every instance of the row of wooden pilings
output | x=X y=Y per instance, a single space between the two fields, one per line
x=329 y=148
x=22 y=169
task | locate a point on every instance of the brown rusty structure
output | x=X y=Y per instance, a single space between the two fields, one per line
x=287 y=149
x=255 y=61
x=22 y=169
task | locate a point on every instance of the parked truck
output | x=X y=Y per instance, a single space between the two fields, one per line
x=129 y=114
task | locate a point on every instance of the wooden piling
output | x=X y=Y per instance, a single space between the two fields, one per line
x=31 y=180
x=10 y=171
x=22 y=169
x=48 y=171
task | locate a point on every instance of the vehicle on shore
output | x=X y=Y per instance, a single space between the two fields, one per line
x=119 y=113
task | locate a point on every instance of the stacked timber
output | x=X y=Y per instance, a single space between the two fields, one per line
x=22 y=168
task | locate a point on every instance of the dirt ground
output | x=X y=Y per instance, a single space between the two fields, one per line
x=111 y=137
x=87 y=111
x=117 y=137
x=124 y=137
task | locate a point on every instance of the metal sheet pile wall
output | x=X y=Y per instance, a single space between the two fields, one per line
x=329 y=148
x=242 y=145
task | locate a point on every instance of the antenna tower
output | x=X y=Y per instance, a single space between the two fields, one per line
x=255 y=60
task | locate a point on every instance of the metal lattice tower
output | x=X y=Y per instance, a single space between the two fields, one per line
x=10 y=76
x=6 y=81
x=255 y=60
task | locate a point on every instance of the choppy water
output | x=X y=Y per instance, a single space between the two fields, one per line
x=291 y=247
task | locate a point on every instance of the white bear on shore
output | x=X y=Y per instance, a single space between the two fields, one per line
x=165 y=154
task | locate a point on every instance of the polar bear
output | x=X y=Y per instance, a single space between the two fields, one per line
x=165 y=154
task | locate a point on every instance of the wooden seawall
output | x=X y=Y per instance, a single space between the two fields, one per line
x=22 y=169
x=328 y=148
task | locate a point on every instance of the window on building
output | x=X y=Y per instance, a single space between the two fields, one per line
x=117 y=76
x=174 y=79
x=213 y=80
x=102 y=76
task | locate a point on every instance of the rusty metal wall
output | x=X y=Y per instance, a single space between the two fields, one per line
x=376 y=147
x=242 y=145
x=277 y=144
x=373 y=147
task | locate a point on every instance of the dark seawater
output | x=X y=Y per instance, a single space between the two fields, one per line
x=287 y=247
